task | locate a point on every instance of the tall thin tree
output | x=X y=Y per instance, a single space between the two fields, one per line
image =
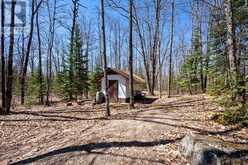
x=130 y=54
x=171 y=47
x=40 y=75
x=73 y=27
x=103 y=52
x=10 y=58
x=230 y=47
x=3 y=57
x=52 y=19
x=26 y=58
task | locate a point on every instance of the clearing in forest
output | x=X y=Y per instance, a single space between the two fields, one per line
x=81 y=135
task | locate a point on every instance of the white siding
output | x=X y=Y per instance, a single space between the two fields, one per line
x=122 y=89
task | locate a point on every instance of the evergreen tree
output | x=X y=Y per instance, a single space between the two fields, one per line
x=74 y=77
x=93 y=88
x=80 y=61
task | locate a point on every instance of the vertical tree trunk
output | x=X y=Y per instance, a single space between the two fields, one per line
x=74 y=17
x=154 y=52
x=160 y=71
x=3 y=59
x=26 y=58
x=100 y=40
x=119 y=46
x=23 y=53
x=50 y=48
x=230 y=47
x=171 y=47
x=130 y=53
x=41 y=95
x=243 y=75
x=104 y=56
x=144 y=54
x=110 y=47
x=10 y=58
x=199 y=26
x=206 y=74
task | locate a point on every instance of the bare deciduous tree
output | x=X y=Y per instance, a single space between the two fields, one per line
x=26 y=58
x=3 y=57
x=103 y=52
x=52 y=19
x=171 y=47
x=40 y=75
x=130 y=54
x=10 y=58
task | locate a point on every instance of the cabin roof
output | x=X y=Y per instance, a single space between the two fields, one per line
x=137 y=79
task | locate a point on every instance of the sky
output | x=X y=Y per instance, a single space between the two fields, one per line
x=182 y=24
x=182 y=13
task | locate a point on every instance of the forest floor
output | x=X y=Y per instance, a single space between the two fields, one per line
x=80 y=134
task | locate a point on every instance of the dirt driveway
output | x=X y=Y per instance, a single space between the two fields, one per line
x=81 y=135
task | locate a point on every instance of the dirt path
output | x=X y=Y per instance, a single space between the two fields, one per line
x=80 y=135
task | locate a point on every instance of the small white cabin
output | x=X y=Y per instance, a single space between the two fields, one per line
x=118 y=84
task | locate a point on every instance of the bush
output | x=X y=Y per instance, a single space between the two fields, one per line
x=33 y=88
x=93 y=81
x=226 y=101
x=234 y=114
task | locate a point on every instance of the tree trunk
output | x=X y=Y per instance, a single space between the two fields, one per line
x=50 y=48
x=171 y=47
x=119 y=46
x=230 y=48
x=130 y=53
x=3 y=110
x=104 y=56
x=10 y=58
x=206 y=74
x=74 y=12
x=201 y=58
x=23 y=53
x=199 y=26
x=160 y=71
x=207 y=61
x=26 y=58
x=41 y=95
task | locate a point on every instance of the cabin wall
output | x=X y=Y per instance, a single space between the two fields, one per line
x=122 y=85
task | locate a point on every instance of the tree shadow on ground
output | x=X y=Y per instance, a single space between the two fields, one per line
x=48 y=117
x=61 y=115
x=168 y=118
x=69 y=111
x=126 y=156
x=199 y=130
x=173 y=104
x=89 y=148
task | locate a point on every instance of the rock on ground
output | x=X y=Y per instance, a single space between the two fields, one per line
x=204 y=150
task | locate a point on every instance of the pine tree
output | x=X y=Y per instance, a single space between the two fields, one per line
x=93 y=81
x=81 y=65
x=74 y=77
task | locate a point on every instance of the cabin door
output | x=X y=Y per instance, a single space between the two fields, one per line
x=113 y=90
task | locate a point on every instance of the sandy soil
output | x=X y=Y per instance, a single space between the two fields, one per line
x=80 y=134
